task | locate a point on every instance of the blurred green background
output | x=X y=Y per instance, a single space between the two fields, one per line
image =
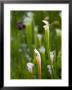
x=23 y=42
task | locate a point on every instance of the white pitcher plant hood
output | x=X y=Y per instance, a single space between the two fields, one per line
x=58 y=31
x=52 y=56
x=30 y=67
x=38 y=57
x=28 y=18
x=36 y=52
x=42 y=49
x=39 y=36
x=49 y=69
x=46 y=26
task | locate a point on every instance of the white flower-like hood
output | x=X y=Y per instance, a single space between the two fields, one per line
x=30 y=66
x=46 y=26
x=36 y=51
x=38 y=57
x=49 y=68
x=39 y=36
x=52 y=56
x=42 y=49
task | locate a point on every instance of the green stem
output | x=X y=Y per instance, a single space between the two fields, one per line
x=47 y=43
x=35 y=35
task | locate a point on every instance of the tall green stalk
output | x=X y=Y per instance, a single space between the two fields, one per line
x=47 y=35
x=47 y=43
x=35 y=35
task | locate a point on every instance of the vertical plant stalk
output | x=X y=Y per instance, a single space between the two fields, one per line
x=39 y=42
x=53 y=64
x=29 y=30
x=47 y=35
x=38 y=62
x=35 y=35
x=39 y=68
x=29 y=34
x=47 y=42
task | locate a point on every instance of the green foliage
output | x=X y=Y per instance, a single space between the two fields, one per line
x=23 y=43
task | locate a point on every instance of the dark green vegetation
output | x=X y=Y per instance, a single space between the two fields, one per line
x=27 y=33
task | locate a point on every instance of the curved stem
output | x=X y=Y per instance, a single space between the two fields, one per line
x=38 y=63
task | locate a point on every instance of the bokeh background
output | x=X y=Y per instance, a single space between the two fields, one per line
x=27 y=33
